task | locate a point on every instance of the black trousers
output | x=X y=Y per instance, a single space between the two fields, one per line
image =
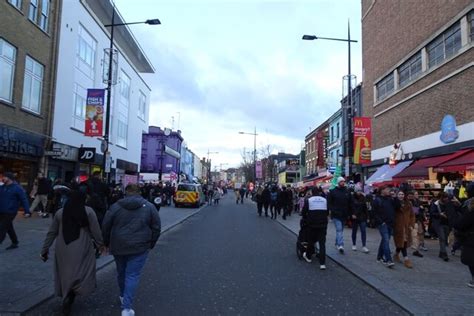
x=259 y=207
x=317 y=235
x=6 y=227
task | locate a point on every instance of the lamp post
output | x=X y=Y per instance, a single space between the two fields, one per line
x=110 y=83
x=209 y=164
x=254 y=152
x=349 y=88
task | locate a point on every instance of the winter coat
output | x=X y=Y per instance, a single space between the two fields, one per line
x=266 y=196
x=464 y=224
x=315 y=212
x=340 y=203
x=439 y=212
x=131 y=226
x=404 y=221
x=44 y=186
x=360 y=210
x=11 y=197
x=384 y=210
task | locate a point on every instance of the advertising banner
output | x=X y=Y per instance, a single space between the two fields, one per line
x=362 y=140
x=94 y=112
x=258 y=167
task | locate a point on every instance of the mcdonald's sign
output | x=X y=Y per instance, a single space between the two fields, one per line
x=362 y=140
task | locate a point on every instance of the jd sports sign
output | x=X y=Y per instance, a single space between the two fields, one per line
x=86 y=154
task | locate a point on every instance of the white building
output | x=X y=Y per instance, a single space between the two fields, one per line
x=83 y=39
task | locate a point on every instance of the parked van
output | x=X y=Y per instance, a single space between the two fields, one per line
x=189 y=194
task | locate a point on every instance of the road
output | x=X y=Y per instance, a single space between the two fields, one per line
x=228 y=261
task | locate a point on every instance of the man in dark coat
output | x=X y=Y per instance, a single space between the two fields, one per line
x=97 y=195
x=266 y=197
x=131 y=228
x=340 y=207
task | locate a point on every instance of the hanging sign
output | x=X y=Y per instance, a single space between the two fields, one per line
x=94 y=112
x=362 y=140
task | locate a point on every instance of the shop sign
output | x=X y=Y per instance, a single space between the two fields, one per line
x=94 y=112
x=320 y=145
x=86 y=154
x=449 y=133
x=362 y=140
x=172 y=152
x=53 y=153
x=258 y=169
x=15 y=141
x=67 y=152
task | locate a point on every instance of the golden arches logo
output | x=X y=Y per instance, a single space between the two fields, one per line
x=358 y=123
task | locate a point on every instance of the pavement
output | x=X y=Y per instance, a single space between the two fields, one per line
x=25 y=281
x=432 y=287
x=228 y=261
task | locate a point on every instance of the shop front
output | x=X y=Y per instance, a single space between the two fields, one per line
x=126 y=172
x=62 y=162
x=21 y=153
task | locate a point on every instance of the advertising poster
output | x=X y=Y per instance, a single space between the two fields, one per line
x=362 y=140
x=258 y=166
x=94 y=112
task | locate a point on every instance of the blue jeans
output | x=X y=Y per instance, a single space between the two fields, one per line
x=384 y=247
x=128 y=274
x=339 y=232
x=363 y=232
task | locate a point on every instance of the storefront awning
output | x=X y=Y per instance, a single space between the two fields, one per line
x=461 y=163
x=385 y=173
x=318 y=180
x=419 y=170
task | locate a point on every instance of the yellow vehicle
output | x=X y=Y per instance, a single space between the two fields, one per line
x=189 y=194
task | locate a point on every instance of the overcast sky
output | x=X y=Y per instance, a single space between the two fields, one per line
x=227 y=66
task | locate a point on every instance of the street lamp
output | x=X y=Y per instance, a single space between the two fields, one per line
x=209 y=163
x=109 y=86
x=254 y=152
x=349 y=88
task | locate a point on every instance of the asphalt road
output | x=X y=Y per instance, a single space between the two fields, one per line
x=228 y=261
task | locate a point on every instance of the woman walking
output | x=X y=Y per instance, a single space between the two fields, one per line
x=74 y=227
x=404 y=222
x=359 y=219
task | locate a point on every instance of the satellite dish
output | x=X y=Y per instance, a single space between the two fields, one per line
x=167 y=132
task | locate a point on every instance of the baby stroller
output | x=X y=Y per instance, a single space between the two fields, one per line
x=302 y=241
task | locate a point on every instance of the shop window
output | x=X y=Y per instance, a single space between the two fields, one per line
x=32 y=85
x=385 y=87
x=444 y=46
x=410 y=70
x=7 y=70
x=16 y=3
x=33 y=12
x=44 y=17
x=142 y=106
x=86 y=52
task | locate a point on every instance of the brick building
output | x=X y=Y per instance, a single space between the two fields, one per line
x=418 y=67
x=28 y=47
x=316 y=143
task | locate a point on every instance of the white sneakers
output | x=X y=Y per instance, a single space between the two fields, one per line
x=306 y=258
x=354 y=248
x=341 y=250
x=128 y=312
x=365 y=250
x=322 y=267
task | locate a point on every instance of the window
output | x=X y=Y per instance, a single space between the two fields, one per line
x=385 y=87
x=86 y=52
x=337 y=130
x=142 y=106
x=124 y=89
x=445 y=45
x=32 y=14
x=43 y=22
x=7 y=70
x=16 y=3
x=332 y=133
x=122 y=131
x=79 y=104
x=410 y=69
x=32 y=85
x=470 y=19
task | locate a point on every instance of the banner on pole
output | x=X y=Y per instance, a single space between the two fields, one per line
x=362 y=140
x=259 y=171
x=94 y=112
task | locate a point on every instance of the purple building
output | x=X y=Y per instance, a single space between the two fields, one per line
x=161 y=151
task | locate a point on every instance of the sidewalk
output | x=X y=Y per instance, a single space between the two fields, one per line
x=25 y=281
x=432 y=287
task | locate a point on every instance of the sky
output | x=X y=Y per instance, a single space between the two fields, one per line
x=229 y=66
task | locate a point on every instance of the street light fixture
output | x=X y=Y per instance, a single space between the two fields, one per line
x=209 y=164
x=254 y=152
x=109 y=86
x=349 y=88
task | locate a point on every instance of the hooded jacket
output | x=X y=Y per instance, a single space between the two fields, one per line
x=340 y=203
x=11 y=197
x=131 y=226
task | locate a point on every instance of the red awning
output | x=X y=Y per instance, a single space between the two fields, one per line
x=461 y=163
x=419 y=170
x=315 y=181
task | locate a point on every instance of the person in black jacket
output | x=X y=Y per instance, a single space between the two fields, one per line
x=464 y=225
x=360 y=214
x=266 y=197
x=340 y=205
x=384 y=210
x=315 y=217
x=97 y=195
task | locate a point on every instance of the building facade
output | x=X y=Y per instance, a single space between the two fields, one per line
x=83 y=38
x=316 y=143
x=28 y=52
x=335 y=140
x=418 y=75
x=161 y=153
x=349 y=111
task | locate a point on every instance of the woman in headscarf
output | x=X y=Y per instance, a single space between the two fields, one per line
x=74 y=228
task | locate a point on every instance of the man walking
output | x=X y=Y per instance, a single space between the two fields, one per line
x=44 y=187
x=12 y=196
x=315 y=216
x=131 y=228
x=384 y=208
x=340 y=204
x=98 y=193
